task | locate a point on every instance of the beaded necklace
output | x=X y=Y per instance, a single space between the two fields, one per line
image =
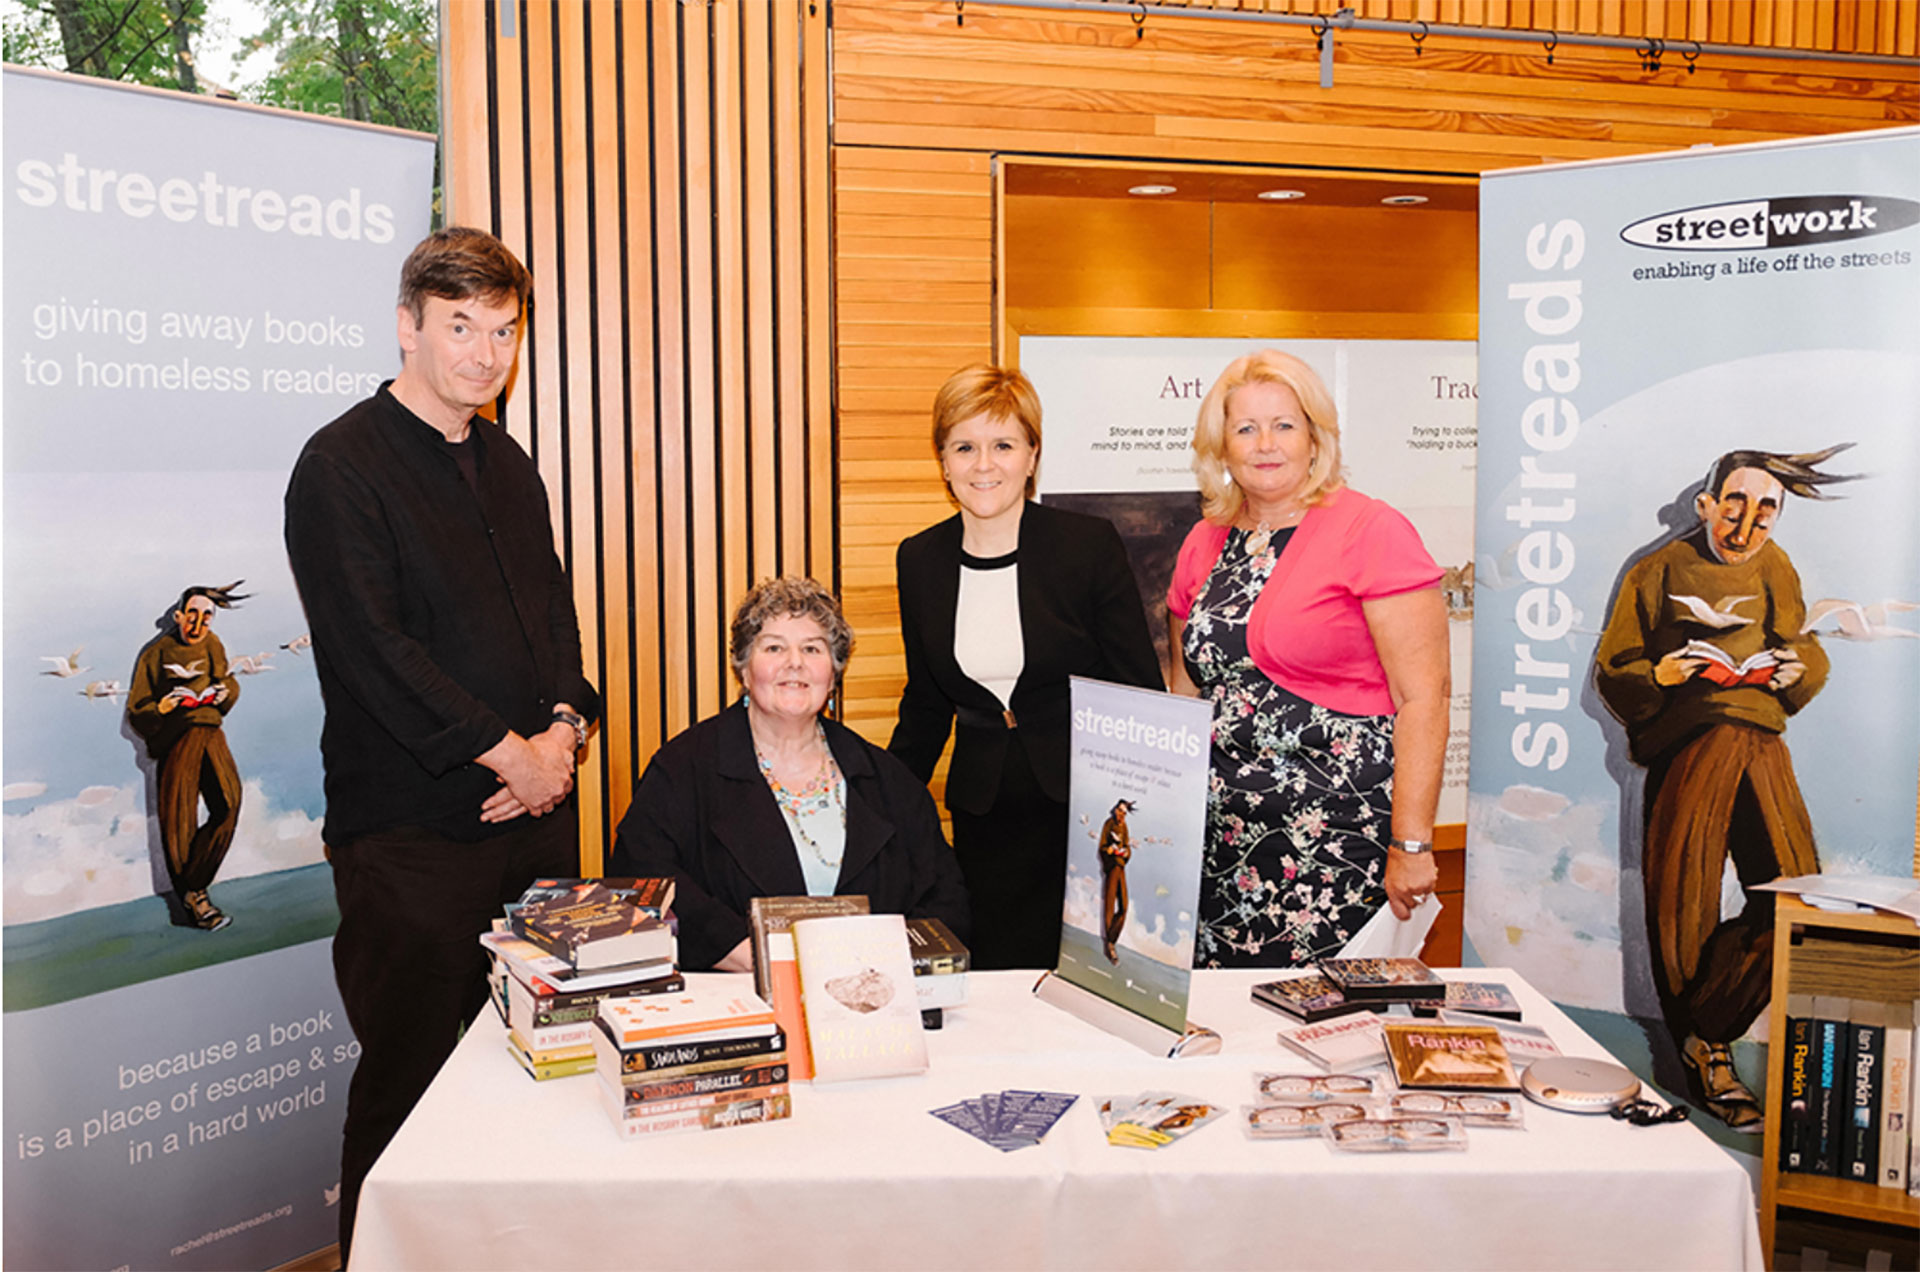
x=820 y=794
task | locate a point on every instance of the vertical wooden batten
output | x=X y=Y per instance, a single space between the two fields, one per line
x=661 y=169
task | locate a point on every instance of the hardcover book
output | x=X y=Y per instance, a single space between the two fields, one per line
x=1391 y=979
x=1482 y=998
x=1449 y=1057
x=528 y=1010
x=1306 y=998
x=1341 y=1045
x=698 y=1015
x=857 y=987
x=776 y=977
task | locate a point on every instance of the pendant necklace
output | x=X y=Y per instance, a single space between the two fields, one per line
x=816 y=797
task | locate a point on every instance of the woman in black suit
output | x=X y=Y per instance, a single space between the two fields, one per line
x=999 y=605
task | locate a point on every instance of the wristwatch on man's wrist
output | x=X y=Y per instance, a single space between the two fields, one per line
x=1413 y=847
x=577 y=723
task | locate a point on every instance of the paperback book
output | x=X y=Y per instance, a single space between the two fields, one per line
x=683 y=1055
x=697 y=1015
x=1449 y=1057
x=710 y=1115
x=595 y=930
x=1341 y=1045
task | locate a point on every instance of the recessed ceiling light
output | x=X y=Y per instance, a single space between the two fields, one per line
x=1403 y=200
x=1151 y=189
x=1281 y=194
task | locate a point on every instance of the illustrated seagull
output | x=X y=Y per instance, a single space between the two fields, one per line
x=65 y=665
x=298 y=643
x=251 y=665
x=1860 y=622
x=1720 y=615
x=186 y=671
x=102 y=689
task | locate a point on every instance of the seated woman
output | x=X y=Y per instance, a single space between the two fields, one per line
x=1311 y=617
x=769 y=798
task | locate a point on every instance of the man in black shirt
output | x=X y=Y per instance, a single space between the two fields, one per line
x=449 y=660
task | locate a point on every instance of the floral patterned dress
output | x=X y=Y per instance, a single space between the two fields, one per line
x=1299 y=799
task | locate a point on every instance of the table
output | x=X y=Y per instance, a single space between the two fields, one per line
x=495 y=1171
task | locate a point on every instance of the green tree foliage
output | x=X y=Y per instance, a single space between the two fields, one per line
x=370 y=60
x=134 y=41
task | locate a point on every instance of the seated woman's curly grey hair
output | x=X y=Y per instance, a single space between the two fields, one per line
x=784 y=597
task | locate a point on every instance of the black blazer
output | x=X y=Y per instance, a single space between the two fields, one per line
x=702 y=814
x=1080 y=615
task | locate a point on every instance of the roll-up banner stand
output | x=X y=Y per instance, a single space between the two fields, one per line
x=192 y=287
x=1697 y=655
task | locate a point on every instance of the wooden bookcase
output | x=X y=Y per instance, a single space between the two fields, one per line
x=1876 y=937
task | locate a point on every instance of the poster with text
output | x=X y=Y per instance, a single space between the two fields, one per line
x=1698 y=561
x=192 y=288
x=1119 y=420
x=1136 y=828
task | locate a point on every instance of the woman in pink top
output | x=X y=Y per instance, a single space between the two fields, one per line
x=1312 y=618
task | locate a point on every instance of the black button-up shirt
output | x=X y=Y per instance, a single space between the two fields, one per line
x=440 y=615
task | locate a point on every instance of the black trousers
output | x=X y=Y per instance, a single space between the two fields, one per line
x=1014 y=859
x=408 y=960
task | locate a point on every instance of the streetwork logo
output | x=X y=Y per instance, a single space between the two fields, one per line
x=1760 y=223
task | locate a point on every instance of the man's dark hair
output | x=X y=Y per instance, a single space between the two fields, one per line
x=1795 y=472
x=222 y=597
x=459 y=263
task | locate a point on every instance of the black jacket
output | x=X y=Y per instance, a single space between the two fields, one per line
x=440 y=615
x=1080 y=615
x=702 y=813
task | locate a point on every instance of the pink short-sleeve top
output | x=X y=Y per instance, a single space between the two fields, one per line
x=1307 y=631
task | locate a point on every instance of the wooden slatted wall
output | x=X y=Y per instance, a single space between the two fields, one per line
x=922 y=102
x=661 y=169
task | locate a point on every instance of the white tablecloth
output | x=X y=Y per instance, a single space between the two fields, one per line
x=496 y=1171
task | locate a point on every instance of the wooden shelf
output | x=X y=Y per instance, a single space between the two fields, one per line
x=1820 y=1194
x=1846 y=1197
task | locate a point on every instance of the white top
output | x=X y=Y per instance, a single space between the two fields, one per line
x=987 y=642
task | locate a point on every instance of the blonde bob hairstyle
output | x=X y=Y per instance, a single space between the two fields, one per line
x=1220 y=496
x=982 y=389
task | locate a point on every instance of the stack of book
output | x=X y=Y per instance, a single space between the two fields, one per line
x=567 y=946
x=690 y=1061
x=1849 y=1100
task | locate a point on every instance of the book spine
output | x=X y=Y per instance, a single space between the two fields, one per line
x=620 y=1108
x=649 y=1059
x=1796 y=1106
x=737 y=1078
x=1829 y=1086
x=609 y=1065
x=1896 y=1095
x=768 y=1108
x=1861 y=1140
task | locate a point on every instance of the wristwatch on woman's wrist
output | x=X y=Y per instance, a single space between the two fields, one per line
x=1413 y=847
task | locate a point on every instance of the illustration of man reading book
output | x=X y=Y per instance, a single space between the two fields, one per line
x=181 y=692
x=1115 y=850
x=1703 y=659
